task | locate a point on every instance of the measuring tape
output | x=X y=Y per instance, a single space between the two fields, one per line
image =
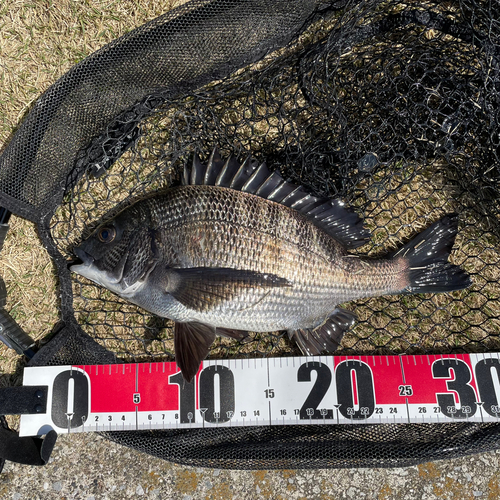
x=269 y=391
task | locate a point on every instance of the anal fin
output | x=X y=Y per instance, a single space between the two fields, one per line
x=231 y=333
x=192 y=342
x=325 y=337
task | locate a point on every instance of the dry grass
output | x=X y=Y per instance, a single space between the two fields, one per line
x=31 y=285
x=41 y=40
x=399 y=203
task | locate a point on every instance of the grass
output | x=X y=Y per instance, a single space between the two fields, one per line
x=40 y=40
x=398 y=205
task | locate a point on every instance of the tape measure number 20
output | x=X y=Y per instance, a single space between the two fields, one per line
x=272 y=391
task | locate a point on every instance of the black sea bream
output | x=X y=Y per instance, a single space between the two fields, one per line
x=238 y=249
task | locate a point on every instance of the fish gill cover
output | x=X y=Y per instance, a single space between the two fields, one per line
x=390 y=106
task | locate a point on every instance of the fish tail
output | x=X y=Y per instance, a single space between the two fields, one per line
x=426 y=259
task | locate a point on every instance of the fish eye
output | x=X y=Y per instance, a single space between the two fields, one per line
x=106 y=234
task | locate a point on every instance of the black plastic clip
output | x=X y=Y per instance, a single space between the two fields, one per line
x=24 y=450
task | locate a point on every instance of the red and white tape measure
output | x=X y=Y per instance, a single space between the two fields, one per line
x=269 y=391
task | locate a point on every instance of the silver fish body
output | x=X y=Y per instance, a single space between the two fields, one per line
x=216 y=258
x=214 y=227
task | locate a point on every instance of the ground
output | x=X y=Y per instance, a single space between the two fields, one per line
x=87 y=467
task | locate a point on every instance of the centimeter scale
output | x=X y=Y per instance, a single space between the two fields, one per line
x=269 y=391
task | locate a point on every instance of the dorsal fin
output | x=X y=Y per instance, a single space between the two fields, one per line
x=251 y=177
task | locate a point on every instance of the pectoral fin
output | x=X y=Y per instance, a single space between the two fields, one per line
x=192 y=342
x=327 y=336
x=202 y=288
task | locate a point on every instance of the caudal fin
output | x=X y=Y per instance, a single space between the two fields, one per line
x=427 y=259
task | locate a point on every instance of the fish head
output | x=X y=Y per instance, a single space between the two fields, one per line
x=118 y=254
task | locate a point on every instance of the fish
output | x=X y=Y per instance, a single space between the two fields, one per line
x=236 y=248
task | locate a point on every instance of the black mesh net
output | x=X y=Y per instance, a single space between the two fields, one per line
x=391 y=106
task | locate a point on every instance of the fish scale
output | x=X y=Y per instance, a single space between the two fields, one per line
x=239 y=249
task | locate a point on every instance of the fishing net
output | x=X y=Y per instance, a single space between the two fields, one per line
x=391 y=106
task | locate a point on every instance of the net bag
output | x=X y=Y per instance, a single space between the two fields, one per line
x=391 y=106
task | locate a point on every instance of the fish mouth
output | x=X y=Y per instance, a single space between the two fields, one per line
x=85 y=265
x=83 y=260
